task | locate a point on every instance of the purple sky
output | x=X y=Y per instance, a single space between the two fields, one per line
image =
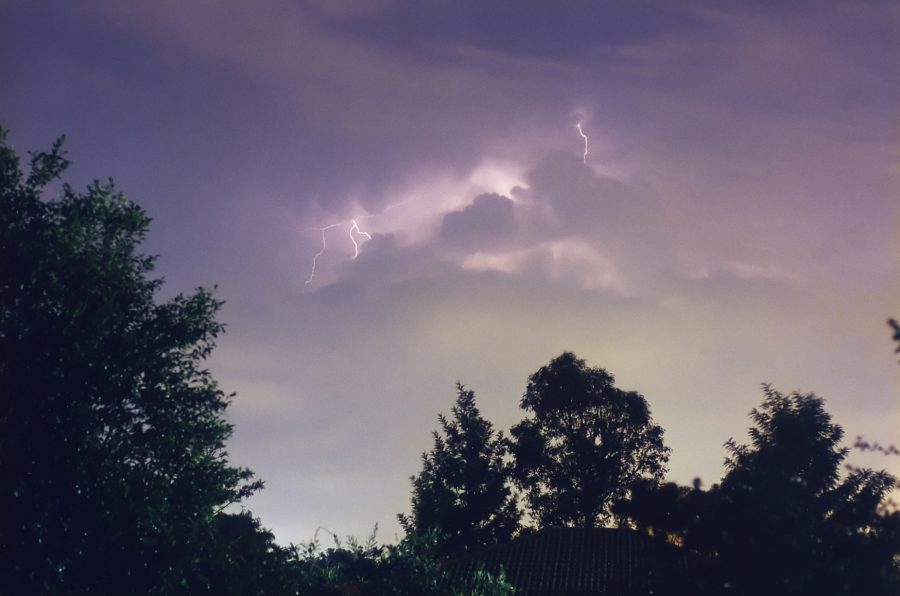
x=736 y=220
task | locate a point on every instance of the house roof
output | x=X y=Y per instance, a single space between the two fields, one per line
x=582 y=562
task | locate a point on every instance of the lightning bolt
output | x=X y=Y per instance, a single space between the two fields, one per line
x=312 y=271
x=583 y=136
x=354 y=227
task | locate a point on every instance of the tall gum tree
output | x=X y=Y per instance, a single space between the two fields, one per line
x=584 y=444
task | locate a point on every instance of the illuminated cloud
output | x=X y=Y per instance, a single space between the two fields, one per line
x=568 y=261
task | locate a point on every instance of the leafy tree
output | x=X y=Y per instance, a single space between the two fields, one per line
x=785 y=521
x=462 y=490
x=666 y=509
x=241 y=558
x=111 y=431
x=585 y=444
x=896 y=327
x=412 y=567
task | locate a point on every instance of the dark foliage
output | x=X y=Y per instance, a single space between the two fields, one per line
x=896 y=327
x=784 y=520
x=784 y=507
x=111 y=433
x=412 y=567
x=462 y=490
x=585 y=444
x=243 y=559
x=667 y=510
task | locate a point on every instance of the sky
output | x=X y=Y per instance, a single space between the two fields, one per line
x=728 y=218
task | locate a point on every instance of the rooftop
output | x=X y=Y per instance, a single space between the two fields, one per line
x=582 y=562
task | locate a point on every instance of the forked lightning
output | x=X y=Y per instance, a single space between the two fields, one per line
x=354 y=227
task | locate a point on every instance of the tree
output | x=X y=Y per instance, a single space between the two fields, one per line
x=896 y=327
x=242 y=559
x=668 y=509
x=785 y=521
x=412 y=567
x=111 y=432
x=585 y=444
x=462 y=490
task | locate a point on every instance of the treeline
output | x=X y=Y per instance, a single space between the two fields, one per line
x=114 y=477
x=790 y=515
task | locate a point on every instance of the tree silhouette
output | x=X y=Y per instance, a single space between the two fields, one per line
x=585 y=444
x=664 y=509
x=462 y=490
x=111 y=432
x=414 y=567
x=784 y=521
x=896 y=327
x=241 y=558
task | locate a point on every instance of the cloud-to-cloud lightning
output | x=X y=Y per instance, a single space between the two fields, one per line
x=354 y=227
x=583 y=136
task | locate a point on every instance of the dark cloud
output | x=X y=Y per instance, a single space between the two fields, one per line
x=624 y=223
x=579 y=196
x=525 y=28
x=486 y=222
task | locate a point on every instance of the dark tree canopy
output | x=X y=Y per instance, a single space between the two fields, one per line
x=414 y=567
x=584 y=445
x=784 y=506
x=462 y=490
x=666 y=509
x=896 y=327
x=111 y=431
x=789 y=517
